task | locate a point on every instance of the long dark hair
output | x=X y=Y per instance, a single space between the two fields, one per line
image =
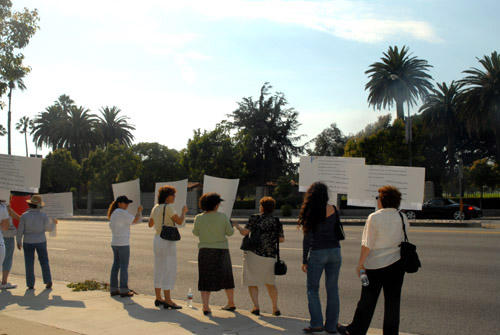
x=112 y=207
x=313 y=210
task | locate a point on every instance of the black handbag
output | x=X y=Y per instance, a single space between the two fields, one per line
x=409 y=256
x=280 y=267
x=252 y=241
x=339 y=229
x=169 y=233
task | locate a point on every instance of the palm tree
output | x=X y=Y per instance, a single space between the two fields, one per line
x=482 y=97
x=3 y=131
x=398 y=78
x=78 y=132
x=113 y=127
x=440 y=115
x=46 y=127
x=14 y=78
x=23 y=125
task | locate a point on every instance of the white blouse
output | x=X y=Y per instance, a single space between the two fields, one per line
x=382 y=234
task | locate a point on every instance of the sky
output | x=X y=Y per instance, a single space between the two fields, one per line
x=176 y=66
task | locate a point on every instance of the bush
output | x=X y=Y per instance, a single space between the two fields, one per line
x=286 y=210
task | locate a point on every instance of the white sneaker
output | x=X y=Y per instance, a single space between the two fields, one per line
x=7 y=286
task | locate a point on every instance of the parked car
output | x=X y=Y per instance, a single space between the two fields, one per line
x=443 y=208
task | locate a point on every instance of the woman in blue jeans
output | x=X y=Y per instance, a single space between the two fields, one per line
x=119 y=223
x=321 y=252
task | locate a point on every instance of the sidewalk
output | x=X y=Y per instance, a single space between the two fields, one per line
x=63 y=312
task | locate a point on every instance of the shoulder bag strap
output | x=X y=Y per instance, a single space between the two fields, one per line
x=277 y=240
x=163 y=222
x=404 y=230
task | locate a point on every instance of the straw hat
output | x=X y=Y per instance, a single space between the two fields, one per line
x=36 y=200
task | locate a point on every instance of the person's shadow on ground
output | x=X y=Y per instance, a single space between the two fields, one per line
x=36 y=302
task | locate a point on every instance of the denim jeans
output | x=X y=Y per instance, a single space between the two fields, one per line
x=9 y=253
x=330 y=261
x=29 y=262
x=121 y=256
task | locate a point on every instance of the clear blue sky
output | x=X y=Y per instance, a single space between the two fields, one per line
x=175 y=66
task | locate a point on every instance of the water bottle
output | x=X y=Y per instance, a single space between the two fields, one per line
x=364 y=278
x=190 y=298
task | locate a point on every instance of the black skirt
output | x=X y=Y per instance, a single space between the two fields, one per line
x=215 y=272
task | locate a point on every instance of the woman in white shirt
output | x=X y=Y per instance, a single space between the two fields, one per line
x=380 y=258
x=165 y=269
x=119 y=222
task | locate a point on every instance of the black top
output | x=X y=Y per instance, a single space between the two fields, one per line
x=268 y=226
x=322 y=238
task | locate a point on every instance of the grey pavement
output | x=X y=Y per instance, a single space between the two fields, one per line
x=62 y=311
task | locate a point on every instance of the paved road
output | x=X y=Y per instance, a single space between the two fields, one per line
x=456 y=292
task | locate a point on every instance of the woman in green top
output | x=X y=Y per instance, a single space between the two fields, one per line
x=215 y=271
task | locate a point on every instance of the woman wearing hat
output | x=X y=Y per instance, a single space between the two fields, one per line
x=119 y=223
x=32 y=226
x=214 y=262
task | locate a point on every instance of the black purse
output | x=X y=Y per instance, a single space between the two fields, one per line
x=409 y=256
x=169 y=233
x=251 y=241
x=280 y=267
x=339 y=229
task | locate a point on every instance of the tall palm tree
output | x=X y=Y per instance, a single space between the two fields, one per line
x=440 y=115
x=482 y=97
x=398 y=78
x=46 y=127
x=14 y=78
x=78 y=132
x=113 y=127
x=23 y=125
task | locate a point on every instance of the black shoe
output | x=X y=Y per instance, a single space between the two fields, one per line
x=48 y=286
x=227 y=308
x=158 y=302
x=342 y=329
x=255 y=312
x=277 y=313
x=173 y=306
x=207 y=312
x=113 y=293
x=31 y=287
x=313 y=330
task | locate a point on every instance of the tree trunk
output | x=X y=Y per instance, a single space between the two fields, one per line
x=9 y=122
x=400 y=113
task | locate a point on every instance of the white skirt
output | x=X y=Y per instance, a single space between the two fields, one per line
x=257 y=270
x=165 y=270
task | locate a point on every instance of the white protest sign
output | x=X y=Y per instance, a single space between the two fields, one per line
x=180 y=195
x=5 y=195
x=367 y=179
x=58 y=205
x=20 y=173
x=227 y=189
x=332 y=171
x=132 y=190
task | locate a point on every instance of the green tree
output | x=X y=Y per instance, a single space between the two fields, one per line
x=23 y=125
x=330 y=142
x=213 y=153
x=46 y=127
x=114 y=127
x=16 y=29
x=60 y=172
x=386 y=146
x=114 y=164
x=267 y=130
x=484 y=173
x=78 y=134
x=398 y=78
x=482 y=98
x=159 y=164
x=3 y=131
x=440 y=116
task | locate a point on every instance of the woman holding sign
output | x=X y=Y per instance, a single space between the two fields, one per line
x=165 y=269
x=215 y=271
x=380 y=258
x=321 y=253
x=119 y=222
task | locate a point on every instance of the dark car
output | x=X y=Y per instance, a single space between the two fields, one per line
x=443 y=208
